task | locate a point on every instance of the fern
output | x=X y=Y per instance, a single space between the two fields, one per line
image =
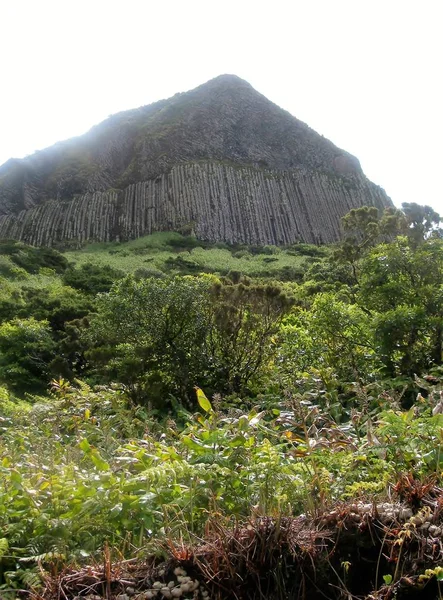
x=31 y=579
x=4 y=547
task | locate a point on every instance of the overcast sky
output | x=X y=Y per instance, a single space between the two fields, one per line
x=367 y=74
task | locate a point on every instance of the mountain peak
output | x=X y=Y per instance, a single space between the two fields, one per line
x=224 y=133
x=226 y=80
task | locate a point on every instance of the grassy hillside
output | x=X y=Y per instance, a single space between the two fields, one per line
x=173 y=253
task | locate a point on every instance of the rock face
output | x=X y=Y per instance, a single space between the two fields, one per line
x=220 y=160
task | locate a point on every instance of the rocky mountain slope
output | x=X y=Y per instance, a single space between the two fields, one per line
x=221 y=161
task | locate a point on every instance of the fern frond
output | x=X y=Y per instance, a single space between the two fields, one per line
x=4 y=547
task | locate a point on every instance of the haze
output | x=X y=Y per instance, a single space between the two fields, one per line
x=365 y=74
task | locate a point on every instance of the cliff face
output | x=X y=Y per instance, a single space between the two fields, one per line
x=221 y=159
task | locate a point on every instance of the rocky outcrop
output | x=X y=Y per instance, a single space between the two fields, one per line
x=216 y=201
x=221 y=159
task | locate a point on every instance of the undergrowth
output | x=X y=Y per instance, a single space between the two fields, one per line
x=172 y=252
x=84 y=468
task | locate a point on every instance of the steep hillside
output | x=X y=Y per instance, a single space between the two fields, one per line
x=220 y=160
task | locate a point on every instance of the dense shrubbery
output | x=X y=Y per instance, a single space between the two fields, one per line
x=33 y=259
x=367 y=310
x=26 y=350
x=162 y=336
x=92 y=279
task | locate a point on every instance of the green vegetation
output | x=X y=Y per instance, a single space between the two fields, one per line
x=32 y=260
x=321 y=368
x=173 y=253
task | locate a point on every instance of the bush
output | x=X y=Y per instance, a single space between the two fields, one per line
x=10 y=270
x=33 y=259
x=242 y=254
x=26 y=349
x=92 y=279
x=145 y=273
x=186 y=243
x=307 y=250
x=185 y=265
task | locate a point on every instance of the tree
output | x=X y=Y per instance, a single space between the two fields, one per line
x=33 y=259
x=402 y=285
x=55 y=303
x=342 y=334
x=26 y=350
x=421 y=220
x=11 y=300
x=163 y=337
x=364 y=227
x=244 y=321
x=150 y=335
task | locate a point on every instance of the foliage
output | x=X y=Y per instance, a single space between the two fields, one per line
x=84 y=467
x=403 y=286
x=55 y=303
x=32 y=259
x=163 y=336
x=26 y=349
x=332 y=334
x=8 y=269
x=245 y=321
x=91 y=278
x=365 y=227
x=10 y=300
x=171 y=252
x=152 y=331
x=421 y=221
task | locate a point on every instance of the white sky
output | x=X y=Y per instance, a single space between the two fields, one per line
x=366 y=74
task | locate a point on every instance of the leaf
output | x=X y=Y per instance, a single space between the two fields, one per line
x=239 y=440
x=387 y=579
x=256 y=419
x=202 y=400
x=98 y=461
x=16 y=479
x=4 y=547
x=85 y=445
x=190 y=443
x=116 y=510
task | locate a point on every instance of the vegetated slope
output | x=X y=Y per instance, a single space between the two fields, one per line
x=220 y=160
x=312 y=467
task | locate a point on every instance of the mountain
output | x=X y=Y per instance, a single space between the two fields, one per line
x=221 y=161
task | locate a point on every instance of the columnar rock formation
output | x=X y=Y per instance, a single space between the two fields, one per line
x=220 y=160
x=217 y=202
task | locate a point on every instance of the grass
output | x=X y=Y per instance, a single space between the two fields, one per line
x=172 y=252
x=39 y=281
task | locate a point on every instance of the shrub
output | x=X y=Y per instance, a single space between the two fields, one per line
x=92 y=279
x=26 y=349
x=33 y=259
